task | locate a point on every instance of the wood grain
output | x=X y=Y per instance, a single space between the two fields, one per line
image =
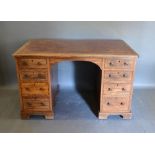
x=37 y=72
x=81 y=48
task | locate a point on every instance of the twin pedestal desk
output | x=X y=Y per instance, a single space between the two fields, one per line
x=38 y=85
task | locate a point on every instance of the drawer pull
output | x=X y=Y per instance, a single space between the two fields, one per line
x=41 y=89
x=109 y=89
x=108 y=103
x=111 y=64
x=40 y=76
x=26 y=76
x=124 y=75
x=110 y=75
x=125 y=64
x=123 y=89
x=121 y=103
x=28 y=89
x=29 y=104
x=24 y=63
x=39 y=63
x=42 y=104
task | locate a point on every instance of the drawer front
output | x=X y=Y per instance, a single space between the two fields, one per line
x=26 y=76
x=35 y=89
x=115 y=104
x=117 y=89
x=33 y=76
x=33 y=63
x=36 y=105
x=119 y=63
x=118 y=75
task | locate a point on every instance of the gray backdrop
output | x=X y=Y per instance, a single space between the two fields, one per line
x=139 y=35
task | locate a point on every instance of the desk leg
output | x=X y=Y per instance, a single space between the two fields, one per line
x=53 y=83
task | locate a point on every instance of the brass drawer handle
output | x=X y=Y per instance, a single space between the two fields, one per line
x=121 y=103
x=108 y=103
x=42 y=104
x=110 y=75
x=26 y=76
x=125 y=64
x=39 y=63
x=111 y=64
x=28 y=89
x=123 y=89
x=41 y=76
x=41 y=89
x=124 y=75
x=109 y=89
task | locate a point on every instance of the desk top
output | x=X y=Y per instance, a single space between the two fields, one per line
x=82 y=48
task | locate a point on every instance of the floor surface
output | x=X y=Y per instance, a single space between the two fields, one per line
x=74 y=114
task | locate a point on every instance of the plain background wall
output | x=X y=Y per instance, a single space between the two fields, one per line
x=139 y=35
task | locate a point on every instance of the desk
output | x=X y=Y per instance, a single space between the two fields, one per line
x=38 y=86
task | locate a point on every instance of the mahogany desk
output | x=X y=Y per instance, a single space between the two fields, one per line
x=37 y=86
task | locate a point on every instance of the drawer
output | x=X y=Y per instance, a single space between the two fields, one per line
x=36 y=104
x=115 y=104
x=117 y=89
x=116 y=63
x=118 y=75
x=34 y=89
x=32 y=63
x=33 y=75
